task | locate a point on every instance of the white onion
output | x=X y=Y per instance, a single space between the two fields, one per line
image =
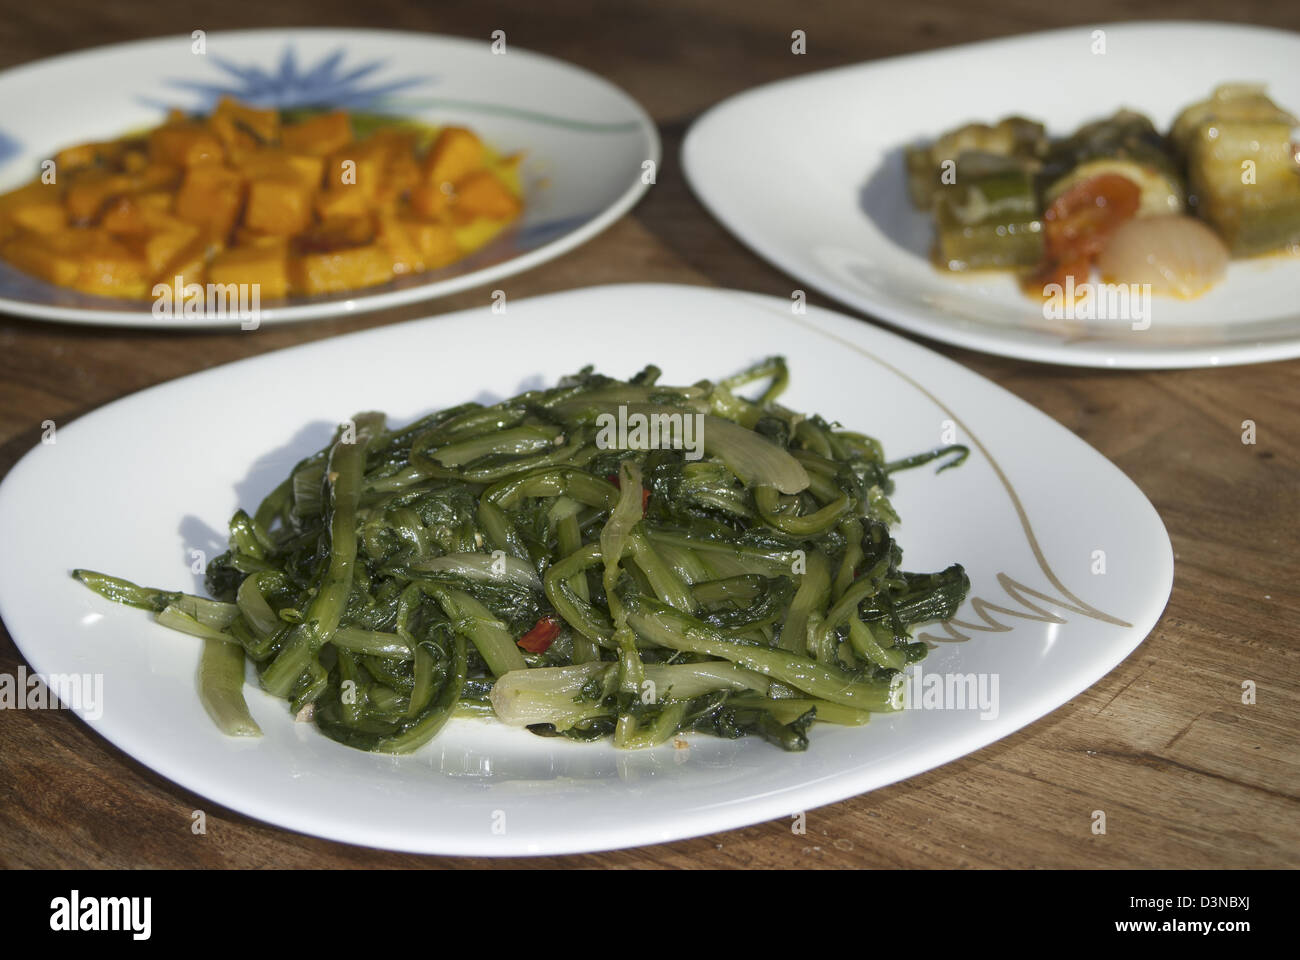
x=756 y=460
x=1179 y=256
x=547 y=695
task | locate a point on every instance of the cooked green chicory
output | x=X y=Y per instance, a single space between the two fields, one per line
x=601 y=559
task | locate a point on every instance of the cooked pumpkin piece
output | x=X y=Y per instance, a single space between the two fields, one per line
x=335 y=233
x=241 y=127
x=318 y=136
x=153 y=177
x=164 y=248
x=184 y=144
x=276 y=164
x=33 y=194
x=266 y=267
x=189 y=265
x=393 y=236
x=48 y=217
x=90 y=191
x=401 y=169
x=483 y=194
x=341 y=201
x=83 y=155
x=359 y=166
x=211 y=197
x=436 y=243
x=139 y=214
x=342 y=270
x=89 y=260
x=431 y=201
x=281 y=207
x=454 y=155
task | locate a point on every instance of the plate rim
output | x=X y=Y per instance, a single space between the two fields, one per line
x=363 y=303
x=844 y=783
x=901 y=317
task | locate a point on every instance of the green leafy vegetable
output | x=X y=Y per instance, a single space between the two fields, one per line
x=738 y=581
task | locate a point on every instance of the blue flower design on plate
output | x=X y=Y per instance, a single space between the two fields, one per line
x=9 y=147
x=327 y=83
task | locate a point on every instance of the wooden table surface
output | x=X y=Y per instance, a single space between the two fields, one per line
x=1187 y=774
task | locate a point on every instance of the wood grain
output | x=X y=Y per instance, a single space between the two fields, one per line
x=1187 y=774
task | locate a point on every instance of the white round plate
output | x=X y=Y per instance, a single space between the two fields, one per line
x=1070 y=568
x=809 y=173
x=584 y=140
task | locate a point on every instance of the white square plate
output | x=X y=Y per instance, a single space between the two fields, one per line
x=131 y=489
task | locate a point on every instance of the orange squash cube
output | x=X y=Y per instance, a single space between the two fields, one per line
x=136 y=161
x=155 y=205
x=124 y=216
x=86 y=155
x=51 y=258
x=189 y=265
x=161 y=219
x=336 y=233
x=88 y=260
x=211 y=197
x=90 y=191
x=156 y=176
x=434 y=242
x=165 y=247
x=272 y=164
x=32 y=194
x=44 y=261
x=318 y=136
x=184 y=144
x=483 y=194
x=359 y=165
x=242 y=127
x=401 y=170
x=397 y=144
x=277 y=207
x=430 y=201
x=47 y=217
x=455 y=154
x=341 y=270
x=245 y=237
x=341 y=202
x=392 y=235
x=138 y=214
x=264 y=267
x=401 y=178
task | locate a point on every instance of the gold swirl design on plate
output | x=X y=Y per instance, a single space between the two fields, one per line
x=1018 y=592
